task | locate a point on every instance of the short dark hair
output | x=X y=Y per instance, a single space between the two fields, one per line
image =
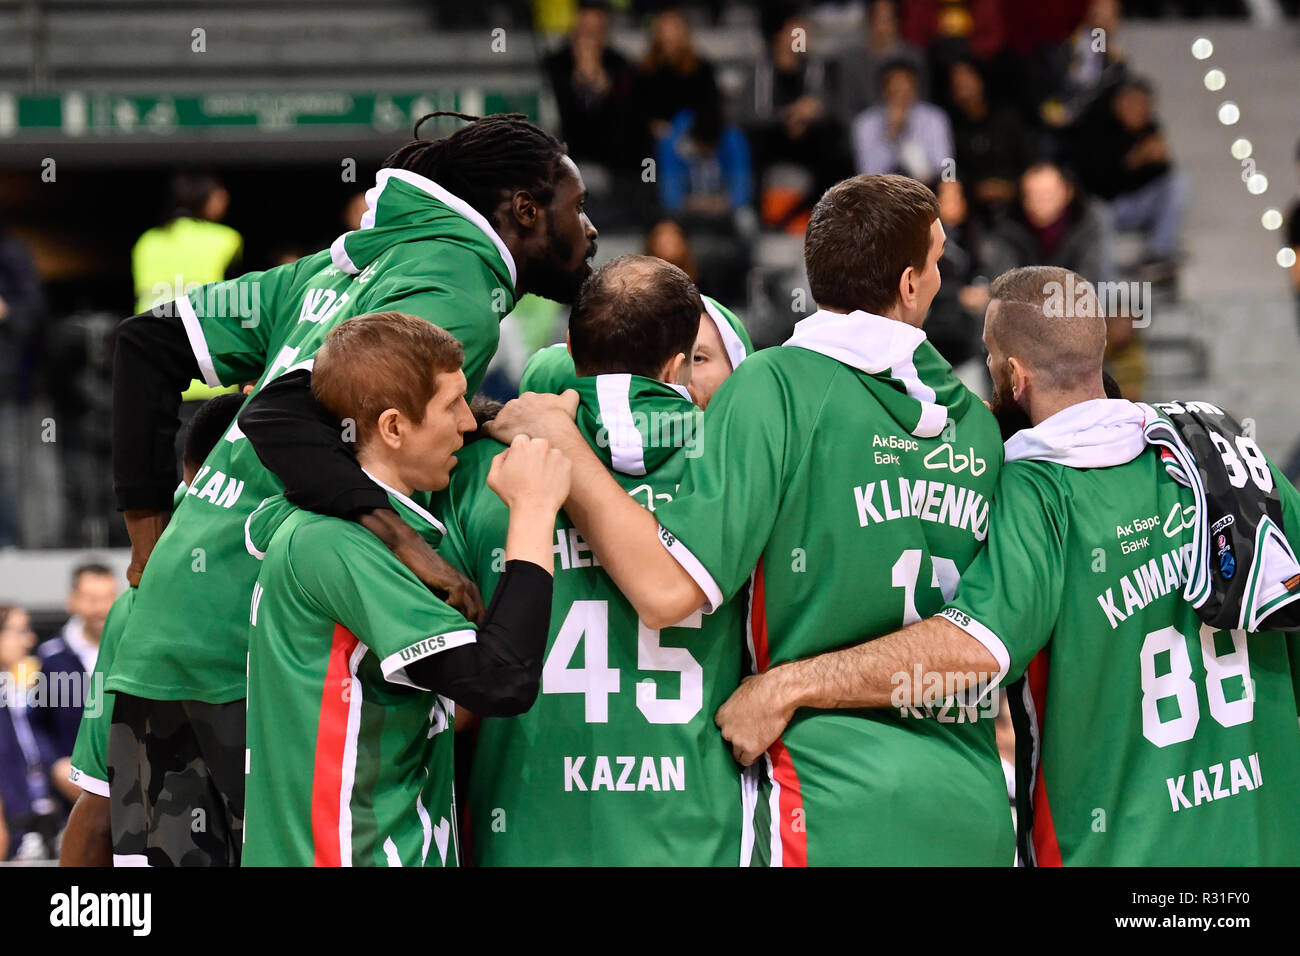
x=486 y=161
x=209 y=423
x=97 y=568
x=190 y=190
x=897 y=64
x=863 y=234
x=1067 y=345
x=633 y=315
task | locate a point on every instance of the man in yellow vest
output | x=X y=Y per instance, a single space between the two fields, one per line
x=191 y=248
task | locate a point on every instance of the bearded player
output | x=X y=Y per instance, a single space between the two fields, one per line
x=1146 y=735
x=456 y=229
x=845 y=478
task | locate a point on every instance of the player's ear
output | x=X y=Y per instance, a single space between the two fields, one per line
x=907 y=289
x=1019 y=378
x=525 y=209
x=389 y=429
x=676 y=371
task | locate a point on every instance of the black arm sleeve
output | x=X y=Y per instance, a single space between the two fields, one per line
x=297 y=438
x=152 y=365
x=499 y=674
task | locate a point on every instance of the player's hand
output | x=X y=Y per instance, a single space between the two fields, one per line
x=144 y=527
x=425 y=563
x=754 y=716
x=535 y=415
x=530 y=473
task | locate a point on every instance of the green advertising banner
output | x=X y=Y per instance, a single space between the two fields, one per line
x=113 y=114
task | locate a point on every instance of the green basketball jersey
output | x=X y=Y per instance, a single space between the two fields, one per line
x=349 y=764
x=618 y=762
x=1145 y=738
x=90 y=752
x=421 y=254
x=847 y=475
x=550 y=370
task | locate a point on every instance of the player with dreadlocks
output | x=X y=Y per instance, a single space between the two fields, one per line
x=456 y=229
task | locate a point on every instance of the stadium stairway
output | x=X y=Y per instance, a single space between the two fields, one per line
x=1235 y=299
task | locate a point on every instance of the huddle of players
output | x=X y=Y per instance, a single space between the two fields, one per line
x=838 y=488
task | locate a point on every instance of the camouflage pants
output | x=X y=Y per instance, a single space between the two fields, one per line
x=176 y=781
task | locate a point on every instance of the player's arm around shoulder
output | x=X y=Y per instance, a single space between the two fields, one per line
x=894 y=670
x=620 y=532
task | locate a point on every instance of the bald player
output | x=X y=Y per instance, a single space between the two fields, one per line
x=1144 y=736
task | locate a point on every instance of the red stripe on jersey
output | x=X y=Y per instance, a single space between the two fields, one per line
x=1047 y=851
x=794 y=842
x=331 y=738
x=758 y=621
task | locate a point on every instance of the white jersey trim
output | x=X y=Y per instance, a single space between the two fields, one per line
x=730 y=340
x=972 y=696
x=626 y=452
x=406 y=500
x=348 y=774
x=748 y=803
x=1035 y=753
x=338 y=250
x=88 y=783
x=130 y=859
x=691 y=565
x=391 y=856
x=426 y=825
x=198 y=344
x=394 y=666
x=248 y=531
x=774 y=811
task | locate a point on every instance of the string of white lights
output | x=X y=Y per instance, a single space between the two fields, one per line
x=1242 y=148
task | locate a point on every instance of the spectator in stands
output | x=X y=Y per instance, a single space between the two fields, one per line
x=956 y=319
x=902 y=135
x=1053 y=224
x=859 y=66
x=667 y=241
x=21 y=304
x=1056 y=224
x=703 y=166
x=949 y=30
x=1123 y=157
x=1095 y=62
x=595 y=90
x=191 y=248
x=992 y=144
x=705 y=182
x=32 y=817
x=786 y=113
x=673 y=77
x=68 y=659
